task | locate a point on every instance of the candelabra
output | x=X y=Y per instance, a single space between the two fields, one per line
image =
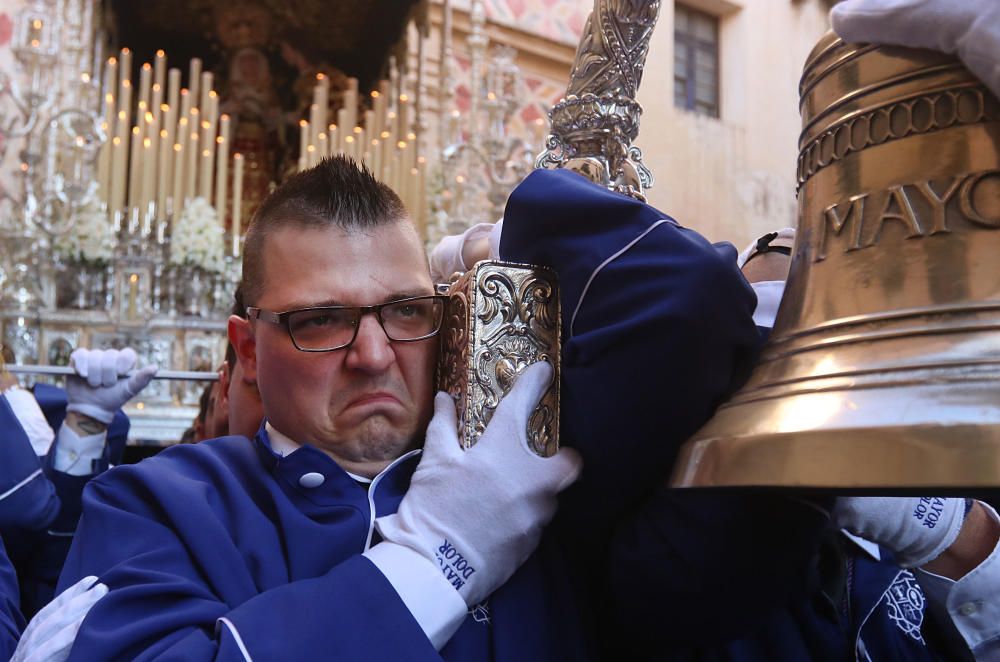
x=480 y=161
x=50 y=113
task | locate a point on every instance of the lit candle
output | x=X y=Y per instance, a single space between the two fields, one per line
x=178 y=193
x=359 y=143
x=333 y=139
x=342 y=121
x=321 y=97
x=208 y=140
x=303 y=144
x=351 y=102
x=134 y=168
x=191 y=168
x=322 y=147
x=104 y=166
x=165 y=153
x=145 y=83
x=403 y=116
x=124 y=77
x=185 y=104
x=315 y=128
x=376 y=164
x=173 y=87
x=148 y=172
x=194 y=76
x=206 y=175
x=160 y=69
x=133 y=291
x=222 y=167
x=237 y=201
x=111 y=78
x=125 y=102
x=207 y=144
x=206 y=88
x=117 y=180
x=157 y=102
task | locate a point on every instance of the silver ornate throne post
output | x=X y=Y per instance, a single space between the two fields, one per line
x=503 y=317
x=594 y=125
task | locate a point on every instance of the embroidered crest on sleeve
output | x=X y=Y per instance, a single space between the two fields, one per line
x=905 y=604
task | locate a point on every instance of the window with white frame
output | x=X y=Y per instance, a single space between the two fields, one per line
x=696 y=61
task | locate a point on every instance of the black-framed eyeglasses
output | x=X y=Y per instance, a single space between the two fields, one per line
x=329 y=328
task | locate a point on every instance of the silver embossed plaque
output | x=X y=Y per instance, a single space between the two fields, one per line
x=501 y=318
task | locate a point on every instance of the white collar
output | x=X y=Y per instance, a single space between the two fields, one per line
x=283 y=445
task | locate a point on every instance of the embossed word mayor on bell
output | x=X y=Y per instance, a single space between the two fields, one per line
x=883 y=369
x=501 y=318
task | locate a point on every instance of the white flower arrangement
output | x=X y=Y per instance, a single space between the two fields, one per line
x=197 y=238
x=90 y=239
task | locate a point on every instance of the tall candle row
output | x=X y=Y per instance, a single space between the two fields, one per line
x=167 y=145
x=384 y=138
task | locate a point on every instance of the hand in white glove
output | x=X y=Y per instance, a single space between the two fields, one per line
x=50 y=634
x=916 y=529
x=457 y=253
x=103 y=386
x=479 y=513
x=967 y=28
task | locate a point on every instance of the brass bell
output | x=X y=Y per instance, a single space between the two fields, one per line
x=883 y=369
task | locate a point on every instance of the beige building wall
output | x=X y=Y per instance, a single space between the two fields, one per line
x=732 y=178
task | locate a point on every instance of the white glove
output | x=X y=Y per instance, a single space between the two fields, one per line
x=447 y=257
x=967 y=28
x=106 y=388
x=916 y=529
x=50 y=634
x=479 y=513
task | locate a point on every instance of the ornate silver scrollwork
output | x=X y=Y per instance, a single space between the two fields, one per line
x=501 y=318
x=594 y=125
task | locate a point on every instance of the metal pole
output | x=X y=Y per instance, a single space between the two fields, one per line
x=190 y=375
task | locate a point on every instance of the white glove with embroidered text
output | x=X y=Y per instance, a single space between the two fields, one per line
x=969 y=29
x=51 y=633
x=479 y=513
x=103 y=385
x=916 y=529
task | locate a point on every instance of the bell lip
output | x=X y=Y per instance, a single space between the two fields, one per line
x=902 y=458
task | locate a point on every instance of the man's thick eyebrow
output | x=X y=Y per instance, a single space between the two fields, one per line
x=395 y=296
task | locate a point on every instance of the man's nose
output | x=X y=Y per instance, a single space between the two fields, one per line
x=372 y=350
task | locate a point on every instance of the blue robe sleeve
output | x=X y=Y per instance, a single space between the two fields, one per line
x=27 y=498
x=657 y=331
x=40 y=526
x=164 y=606
x=11 y=622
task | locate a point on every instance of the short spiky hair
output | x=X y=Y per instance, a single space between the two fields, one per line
x=338 y=192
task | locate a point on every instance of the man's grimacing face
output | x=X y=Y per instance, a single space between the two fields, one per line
x=366 y=404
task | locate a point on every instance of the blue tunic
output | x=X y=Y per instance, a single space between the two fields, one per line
x=11 y=621
x=216 y=547
x=210 y=547
x=38 y=520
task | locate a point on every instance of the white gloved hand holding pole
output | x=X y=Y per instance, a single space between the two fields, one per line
x=479 y=513
x=916 y=529
x=969 y=29
x=104 y=385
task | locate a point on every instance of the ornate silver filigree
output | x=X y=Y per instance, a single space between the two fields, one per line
x=501 y=318
x=594 y=126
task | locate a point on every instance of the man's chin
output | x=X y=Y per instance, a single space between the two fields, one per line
x=380 y=439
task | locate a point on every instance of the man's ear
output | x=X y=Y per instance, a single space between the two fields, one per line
x=245 y=344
